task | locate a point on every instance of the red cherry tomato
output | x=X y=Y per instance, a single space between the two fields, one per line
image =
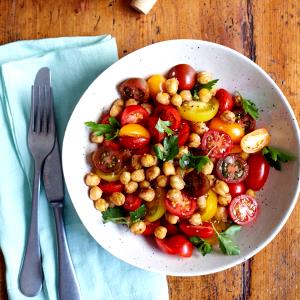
x=150 y=227
x=134 y=114
x=232 y=169
x=164 y=246
x=132 y=202
x=107 y=160
x=111 y=187
x=205 y=230
x=225 y=101
x=168 y=113
x=183 y=133
x=182 y=209
x=181 y=245
x=245 y=120
x=243 y=209
x=104 y=118
x=258 y=172
x=185 y=74
x=110 y=144
x=236 y=189
x=216 y=143
x=196 y=185
x=141 y=151
x=136 y=88
x=130 y=142
x=172 y=229
x=156 y=136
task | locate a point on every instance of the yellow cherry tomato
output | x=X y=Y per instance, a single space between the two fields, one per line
x=156 y=208
x=110 y=177
x=211 y=206
x=255 y=140
x=134 y=130
x=234 y=130
x=156 y=84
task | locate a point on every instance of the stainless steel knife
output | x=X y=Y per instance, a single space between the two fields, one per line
x=68 y=288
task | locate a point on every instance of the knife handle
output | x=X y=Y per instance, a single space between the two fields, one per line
x=68 y=288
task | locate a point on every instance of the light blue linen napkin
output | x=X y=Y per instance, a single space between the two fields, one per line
x=74 y=62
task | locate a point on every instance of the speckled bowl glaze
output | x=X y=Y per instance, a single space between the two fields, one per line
x=235 y=72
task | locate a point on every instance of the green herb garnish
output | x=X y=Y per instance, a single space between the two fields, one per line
x=202 y=246
x=170 y=148
x=162 y=126
x=249 y=107
x=139 y=213
x=275 y=157
x=198 y=86
x=190 y=161
x=110 y=131
x=209 y=85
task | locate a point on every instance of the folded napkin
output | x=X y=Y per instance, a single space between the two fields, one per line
x=74 y=62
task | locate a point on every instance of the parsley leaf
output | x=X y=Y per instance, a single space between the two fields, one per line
x=198 y=86
x=110 y=131
x=226 y=243
x=209 y=85
x=115 y=215
x=162 y=126
x=170 y=148
x=203 y=246
x=248 y=106
x=275 y=157
x=136 y=215
x=195 y=91
x=190 y=161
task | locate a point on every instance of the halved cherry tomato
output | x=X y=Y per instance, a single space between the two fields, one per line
x=232 y=169
x=234 y=130
x=110 y=144
x=243 y=209
x=205 y=230
x=256 y=140
x=168 y=113
x=197 y=111
x=156 y=136
x=107 y=160
x=136 y=88
x=183 y=133
x=134 y=130
x=236 y=189
x=211 y=206
x=132 y=202
x=156 y=84
x=150 y=227
x=130 y=142
x=258 y=172
x=182 y=209
x=216 y=143
x=185 y=74
x=156 y=208
x=133 y=114
x=225 y=101
x=245 y=120
x=111 y=187
x=110 y=177
x=164 y=246
x=196 y=185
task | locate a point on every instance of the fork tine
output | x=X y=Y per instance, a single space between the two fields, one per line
x=46 y=109
x=39 y=109
x=32 y=110
x=51 y=123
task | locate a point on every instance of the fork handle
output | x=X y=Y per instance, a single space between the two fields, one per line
x=31 y=275
x=68 y=288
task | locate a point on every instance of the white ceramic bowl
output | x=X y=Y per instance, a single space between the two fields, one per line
x=235 y=72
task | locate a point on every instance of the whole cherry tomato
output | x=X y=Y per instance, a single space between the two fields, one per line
x=111 y=187
x=236 y=189
x=225 y=101
x=130 y=142
x=134 y=114
x=183 y=133
x=156 y=84
x=150 y=227
x=205 y=230
x=132 y=202
x=111 y=144
x=185 y=74
x=156 y=136
x=136 y=88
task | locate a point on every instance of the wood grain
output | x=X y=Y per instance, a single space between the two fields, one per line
x=266 y=31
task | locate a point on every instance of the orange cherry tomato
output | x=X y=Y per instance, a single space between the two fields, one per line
x=134 y=130
x=255 y=140
x=156 y=84
x=235 y=131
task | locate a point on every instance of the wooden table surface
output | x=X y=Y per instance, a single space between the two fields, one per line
x=267 y=31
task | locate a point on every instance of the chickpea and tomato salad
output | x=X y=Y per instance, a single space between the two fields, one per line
x=180 y=160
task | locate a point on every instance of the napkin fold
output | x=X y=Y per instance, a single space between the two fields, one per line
x=74 y=62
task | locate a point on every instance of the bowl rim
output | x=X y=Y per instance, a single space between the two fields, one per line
x=282 y=221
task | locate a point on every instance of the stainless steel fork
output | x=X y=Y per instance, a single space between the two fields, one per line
x=41 y=138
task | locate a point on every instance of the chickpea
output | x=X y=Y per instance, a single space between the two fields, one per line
x=174 y=195
x=148 y=107
x=98 y=139
x=228 y=116
x=101 y=205
x=199 y=128
x=176 y=100
x=224 y=200
x=138 y=175
x=212 y=179
x=204 y=77
x=92 y=179
x=152 y=173
x=160 y=232
x=172 y=85
x=125 y=177
x=162 y=181
x=116 y=108
x=172 y=219
x=147 y=194
x=176 y=182
x=186 y=95
x=179 y=172
x=147 y=160
x=182 y=150
x=221 y=214
x=131 y=187
x=244 y=155
x=221 y=187
x=201 y=202
x=195 y=219
x=163 y=98
x=138 y=227
x=194 y=140
x=208 y=168
x=135 y=162
x=117 y=198
x=168 y=168
x=250 y=192
x=131 y=101
x=95 y=193
x=204 y=95
x=144 y=184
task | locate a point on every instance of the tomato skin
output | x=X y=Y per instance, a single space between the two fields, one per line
x=134 y=130
x=156 y=84
x=110 y=177
x=211 y=206
x=205 y=230
x=130 y=142
x=256 y=140
x=107 y=160
x=245 y=120
x=136 y=88
x=111 y=187
x=156 y=136
x=156 y=208
x=236 y=189
x=132 y=202
x=164 y=246
x=258 y=172
x=134 y=114
x=181 y=245
x=150 y=227
x=141 y=151
x=105 y=118
x=225 y=101
x=168 y=113
x=183 y=133
x=185 y=74
x=196 y=185
x=110 y=144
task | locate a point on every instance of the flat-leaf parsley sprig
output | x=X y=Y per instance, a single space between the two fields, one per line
x=110 y=131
